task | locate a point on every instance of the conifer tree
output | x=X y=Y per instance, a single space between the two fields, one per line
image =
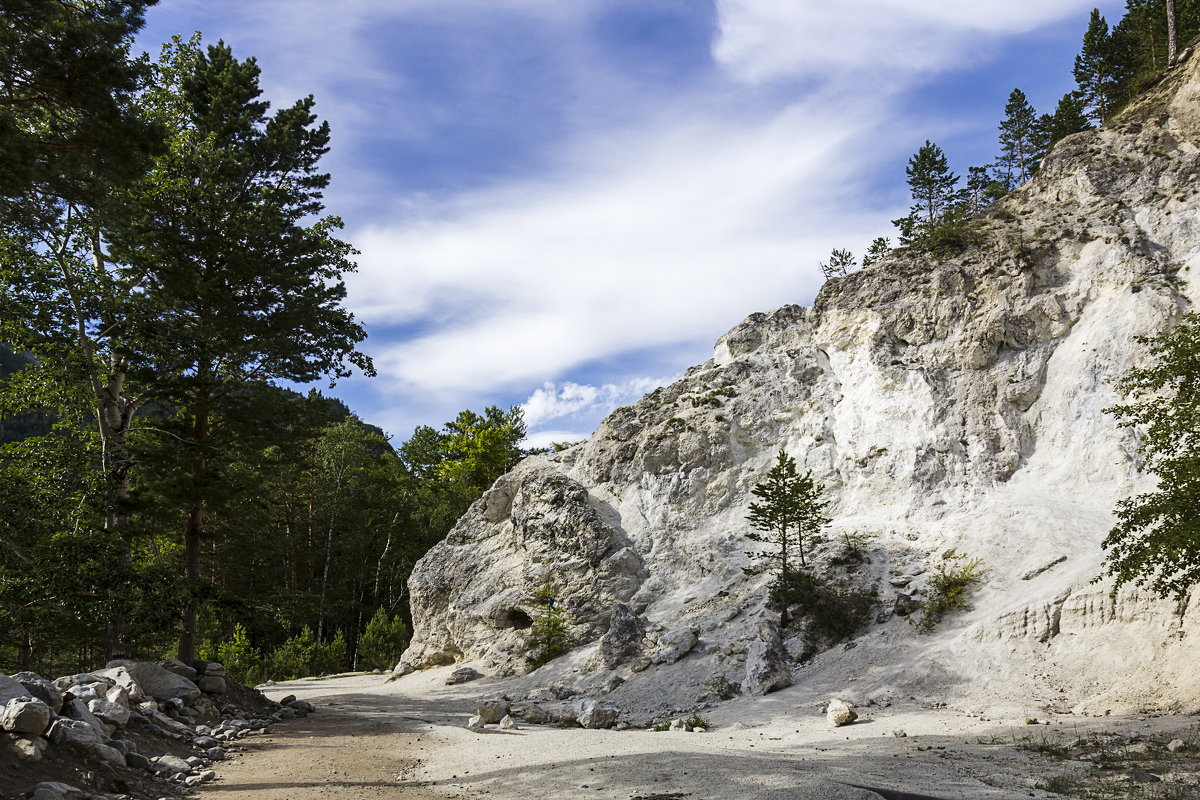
x=840 y=263
x=792 y=510
x=238 y=287
x=879 y=247
x=1019 y=148
x=1172 y=37
x=1094 y=69
x=1069 y=117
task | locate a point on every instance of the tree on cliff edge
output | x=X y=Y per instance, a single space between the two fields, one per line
x=1156 y=543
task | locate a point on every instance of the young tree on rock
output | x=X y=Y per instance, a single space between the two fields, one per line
x=840 y=263
x=1156 y=542
x=1019 y=138
x=879 y=247
x=792 y=510
x=1069 y=117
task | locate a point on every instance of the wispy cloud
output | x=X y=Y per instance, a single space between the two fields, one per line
x=532 y=209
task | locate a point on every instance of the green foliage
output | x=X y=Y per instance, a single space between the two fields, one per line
x=383 y=642
x=932 y=184
x=1069 y=117
x=721 y=688
x=696 y=721
x=295 y=658
x=840 y=264
x=1095 y=72
x=1156 y=542
x=241 y=659
x=1022 y=142
x=880 y=246
x=549 y=637
x=792 y=510
x=833 y=611
x=948 y=586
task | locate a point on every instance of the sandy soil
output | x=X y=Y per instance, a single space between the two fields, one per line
x=407 y=739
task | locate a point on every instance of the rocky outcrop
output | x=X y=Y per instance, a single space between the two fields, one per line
x=944 y=402
x=91 y=724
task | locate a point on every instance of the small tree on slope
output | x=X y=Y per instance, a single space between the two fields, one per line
x=791 y=510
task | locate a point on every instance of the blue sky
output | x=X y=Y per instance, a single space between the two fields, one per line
x=563 y=203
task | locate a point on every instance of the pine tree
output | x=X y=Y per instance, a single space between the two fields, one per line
x=984 y=187
x=1172 y=36
x=791 y=511
x=840 y=263
x=238 y=288
x=879 y=247
x=1094 y=69
x=1019 y=149
x=1069 y=117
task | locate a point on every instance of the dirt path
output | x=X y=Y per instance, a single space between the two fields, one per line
x=371 y=740
x=355 y=746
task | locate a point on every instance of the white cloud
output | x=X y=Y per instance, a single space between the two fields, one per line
x=553 y=401
x=893 y=40
x=649 y=238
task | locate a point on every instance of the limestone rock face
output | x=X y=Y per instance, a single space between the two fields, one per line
x=945 y=401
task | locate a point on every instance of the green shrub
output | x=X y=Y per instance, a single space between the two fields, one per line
x=948 y=588
x=331 y=657
x=722 y=688
x=383 y=642
x=696 y=721
x=548 y=636
x=242 y=660
x=832 y=610
x=293 y=658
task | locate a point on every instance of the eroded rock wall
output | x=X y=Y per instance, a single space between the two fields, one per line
x=944 y=402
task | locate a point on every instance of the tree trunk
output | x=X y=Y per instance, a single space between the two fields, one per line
x=194 y=530
x=1172 y=44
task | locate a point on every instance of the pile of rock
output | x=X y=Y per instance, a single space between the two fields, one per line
x=582 y=712
x=95 y=718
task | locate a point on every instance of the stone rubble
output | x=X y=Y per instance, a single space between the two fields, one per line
x=89 y=713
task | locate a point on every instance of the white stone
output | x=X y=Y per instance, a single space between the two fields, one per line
x=508 y=723
x=475 y=722
x=25 y=715
x=839 y=713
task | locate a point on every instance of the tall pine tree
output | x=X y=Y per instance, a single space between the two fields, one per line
x=241 y=285
x=1020 y=145
x=1094 y=69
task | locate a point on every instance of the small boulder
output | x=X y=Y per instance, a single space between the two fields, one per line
x=492 y=709
x=161 y=684
x=212 y=684
x=905 y=605
x=171 y=765
x=25 y=715
x=674 y=645
x=463 y=675
x=10 y=689
x=24 y=748
x=120 y=676
x=839 y=713
x=533 y=714
x=180 y=668
x=109 y=713
x=42 y=689
x=508 y=723
x=53 y=790
x=137 y=761
x=594 y=715
x=677 y=725
x=475 y=722
x=624 y=638
x=767 y=666
x=1176 y=745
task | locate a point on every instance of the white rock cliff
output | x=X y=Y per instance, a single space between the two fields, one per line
x=951 y=402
